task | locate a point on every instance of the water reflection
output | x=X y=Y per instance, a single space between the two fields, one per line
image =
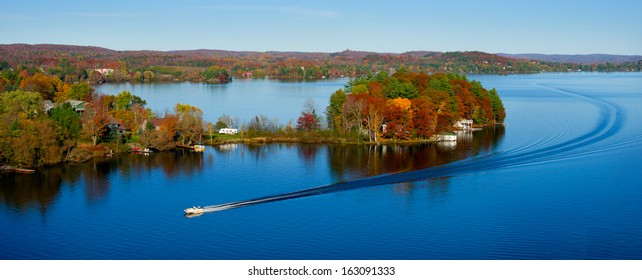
x=40 y=190
x=357 y=166
x=345 y=162
x=437 y=187
x=349 y=162
x=96 y=178
x=308 y=152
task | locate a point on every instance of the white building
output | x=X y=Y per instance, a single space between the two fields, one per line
x=104 y=71
x=230 y=131
x=464 y=124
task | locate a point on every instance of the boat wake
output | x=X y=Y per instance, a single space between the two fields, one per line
x=610 y=122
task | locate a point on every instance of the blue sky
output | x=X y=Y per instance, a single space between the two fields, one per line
x=541 y=26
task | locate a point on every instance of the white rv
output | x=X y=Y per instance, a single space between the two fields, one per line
x=230 y=131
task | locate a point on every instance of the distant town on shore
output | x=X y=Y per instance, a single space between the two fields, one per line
x=97 y=65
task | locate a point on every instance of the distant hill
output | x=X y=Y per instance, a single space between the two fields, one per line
x=576 y=58
x=72 y=63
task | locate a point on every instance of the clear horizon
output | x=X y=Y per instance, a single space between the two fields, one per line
x=542 y=27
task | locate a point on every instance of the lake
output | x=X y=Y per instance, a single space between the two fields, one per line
x=563 y=180
x=241 y=99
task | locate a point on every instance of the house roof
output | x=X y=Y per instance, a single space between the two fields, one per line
x=77 y=105
x=157 y=121
x=48 y=105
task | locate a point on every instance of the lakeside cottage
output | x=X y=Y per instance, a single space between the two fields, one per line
x=47 y=105
x=77 y=105
x=104 y=71
x=464 y=124
x=154 y=123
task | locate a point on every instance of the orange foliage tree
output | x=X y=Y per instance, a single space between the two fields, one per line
x=416 y=104
x=95 y=119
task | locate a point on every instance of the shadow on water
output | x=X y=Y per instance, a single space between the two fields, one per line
x=21 y=192
x=40 y=190
x=349 y=164
x=352 y=162
x=374 y=163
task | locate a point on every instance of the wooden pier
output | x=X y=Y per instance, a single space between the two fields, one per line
x=196 y=148
x=8 y=168
x=185 y=147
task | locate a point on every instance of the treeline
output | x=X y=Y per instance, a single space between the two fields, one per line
x=399 y=106
x=44 y=120
x=96 y=65
x=408 y=105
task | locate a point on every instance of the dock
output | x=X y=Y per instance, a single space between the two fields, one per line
x=185 y=147
x=8 y=168
x=196 y=148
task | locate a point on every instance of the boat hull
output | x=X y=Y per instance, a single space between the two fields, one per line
x=194 y=210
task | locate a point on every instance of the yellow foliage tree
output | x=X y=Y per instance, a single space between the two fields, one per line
x=401 y=103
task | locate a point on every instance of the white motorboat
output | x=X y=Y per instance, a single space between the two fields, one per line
x=199 y=148
x=194 y=210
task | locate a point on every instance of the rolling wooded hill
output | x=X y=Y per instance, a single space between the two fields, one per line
x=73 y=63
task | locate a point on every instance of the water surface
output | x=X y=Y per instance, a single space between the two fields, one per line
x=560 y=181
x=241 y=99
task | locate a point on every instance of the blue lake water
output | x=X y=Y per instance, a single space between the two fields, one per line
x=563 y=180
x=242 y=99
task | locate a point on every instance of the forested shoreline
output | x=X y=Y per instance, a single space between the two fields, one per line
x=99 y=65
x=46 y=120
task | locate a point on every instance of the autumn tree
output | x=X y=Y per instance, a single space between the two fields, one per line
x=27 y=137
x=416 y=104
x=352 y=114
x=21 y=104
x=47 y=86
x=162 y=138
x=424 y=116
x=373 y=115
x=95 y=119
x=307 y=122
x=466 y=102
x=190 y=123
x=129 y=109
x=80 y=91
x=4 y=82
x=398 y=119
x=216 y=75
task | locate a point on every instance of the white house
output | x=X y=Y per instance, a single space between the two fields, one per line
x=230 y=131
x=464 y=124
x=104 y=71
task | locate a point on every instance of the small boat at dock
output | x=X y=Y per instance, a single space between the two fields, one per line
x=447 y=136
x=199 y=148
x=194 y=210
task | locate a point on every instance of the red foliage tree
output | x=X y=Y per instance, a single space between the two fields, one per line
x=308 y=121
x=398 y=122
x=95 y=119
x=424 y=117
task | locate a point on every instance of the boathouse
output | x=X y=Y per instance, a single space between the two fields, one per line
x=464 y=124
